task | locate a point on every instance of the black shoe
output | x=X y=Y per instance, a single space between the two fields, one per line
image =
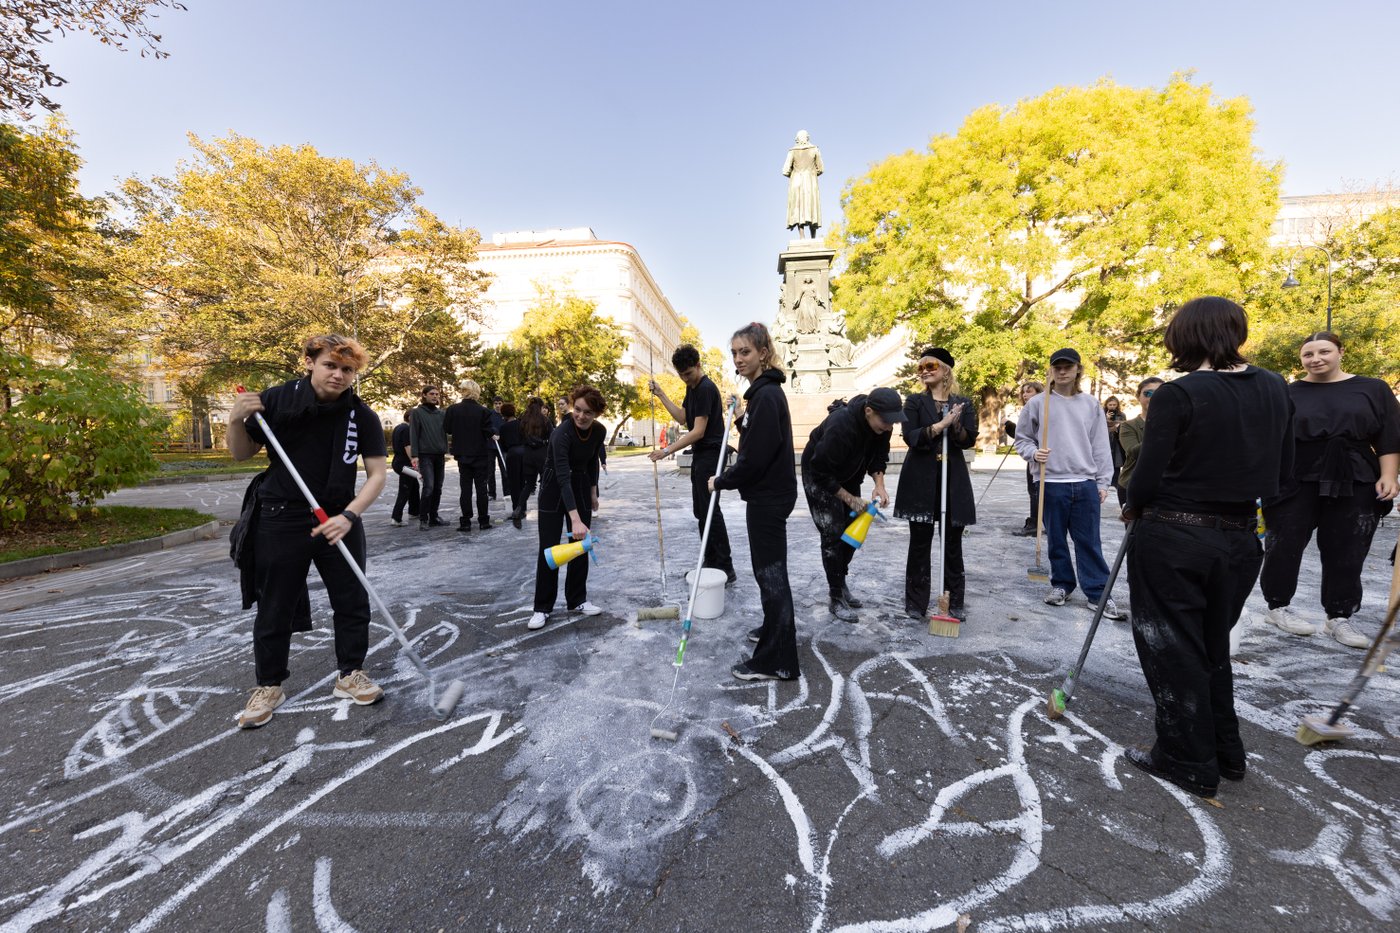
x=730 y=576
x=465 y=526
x=436 y=522
x=1143 y=761
x=755 y=634
x=842 y=610
x=958 y=612
x=422 y=524
x=1024 y=532
x=1232 y=772
x=744 y=672
x=914 y=612
x=485 y=526
x=515 y=520
x=850 y=599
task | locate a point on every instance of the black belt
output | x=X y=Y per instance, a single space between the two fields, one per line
x=1199 y=519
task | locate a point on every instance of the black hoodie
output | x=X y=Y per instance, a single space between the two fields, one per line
x=764 y=470
x=842 y=450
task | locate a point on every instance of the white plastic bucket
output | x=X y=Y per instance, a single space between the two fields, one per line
x=709 y=598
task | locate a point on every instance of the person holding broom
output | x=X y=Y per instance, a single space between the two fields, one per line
x=928 y=416
x=766 y=478
x=1219 y=437
x=325 y=429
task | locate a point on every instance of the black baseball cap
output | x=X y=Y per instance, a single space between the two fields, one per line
x=1066 y=355
x=887 y=404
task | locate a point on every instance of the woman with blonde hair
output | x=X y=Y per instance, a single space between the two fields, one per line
x=468 y=424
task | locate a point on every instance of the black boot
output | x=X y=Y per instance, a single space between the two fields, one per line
x=849 y=598
x=516 y=517
x=843 y=610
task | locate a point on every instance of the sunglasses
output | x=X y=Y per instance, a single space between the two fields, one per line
x=929 y=367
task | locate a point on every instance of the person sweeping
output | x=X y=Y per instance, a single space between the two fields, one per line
x=325 y=429
x=1219 y=437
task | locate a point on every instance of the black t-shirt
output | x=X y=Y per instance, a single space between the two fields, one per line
x=1359 y=411
x=324 y=442
x=703 y=401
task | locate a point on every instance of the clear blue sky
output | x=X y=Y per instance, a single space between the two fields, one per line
x=665 y=124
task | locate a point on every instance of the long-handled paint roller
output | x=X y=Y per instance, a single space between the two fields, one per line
x=445 y=702
x=667 y=734
x=1330 y=728
x=1059 y=697
x=1038 y=573
x=942 y=622
x=667 y=609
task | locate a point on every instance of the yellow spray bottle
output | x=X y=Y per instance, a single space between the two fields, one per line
x=855 y=532
x=561 y=554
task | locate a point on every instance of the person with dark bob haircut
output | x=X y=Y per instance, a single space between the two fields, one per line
x=569 y=497
x=1219 y=437
x=1347 y=429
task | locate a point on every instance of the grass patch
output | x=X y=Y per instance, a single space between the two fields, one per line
x=108 y=524
x=630 y=451
x=209 y=461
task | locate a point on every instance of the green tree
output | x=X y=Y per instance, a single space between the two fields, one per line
x=249 y=249
x=1082 y=217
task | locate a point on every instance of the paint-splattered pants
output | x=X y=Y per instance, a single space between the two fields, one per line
x=1344 y=529
x=831 y=516
x=1188 y=586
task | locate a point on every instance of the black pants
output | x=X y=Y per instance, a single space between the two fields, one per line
x=284 y=553
x=831 y=516
x=918 y=572
x=1344 y=528
x=514 y=468
x=432 y=467
x=408 y=495
x=776 y=652
x=552 y=525
x=1033 y=487
x=473 y=473
x=1188 y=586
x=531 y=466
x=702 y=467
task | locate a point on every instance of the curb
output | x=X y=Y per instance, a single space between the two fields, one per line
x=93 y=555
x=184 y=478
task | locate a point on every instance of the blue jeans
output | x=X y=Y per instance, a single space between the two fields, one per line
x=1073 y=509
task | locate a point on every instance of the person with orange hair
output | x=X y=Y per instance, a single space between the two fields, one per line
x=324 y=429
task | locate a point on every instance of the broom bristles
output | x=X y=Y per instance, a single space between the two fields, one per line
x=942 y=623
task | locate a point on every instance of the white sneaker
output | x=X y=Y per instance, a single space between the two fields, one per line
x=1346 y=633
x=537 y=620
x=1111 y=611
x=1287 y=618
x=586 y=608
x=1056 y=597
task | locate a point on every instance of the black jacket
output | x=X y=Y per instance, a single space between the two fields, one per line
x=571 y=468
x=764 y=470
x=468 y=423
x=920 y=478
x=842 y=450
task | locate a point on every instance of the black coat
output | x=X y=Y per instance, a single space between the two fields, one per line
x=468 y=423
x=917 y=497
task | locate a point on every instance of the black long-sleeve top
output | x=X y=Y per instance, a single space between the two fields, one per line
x=1342 y=428
x=571 y=466
x=468 y=423
x=764 y=469
x=512 y=435
x=843 y=449
x=1216 y=441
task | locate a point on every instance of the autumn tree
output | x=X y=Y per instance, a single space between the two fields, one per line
x=1082 y=217
x=248 y=249
x=27 y=25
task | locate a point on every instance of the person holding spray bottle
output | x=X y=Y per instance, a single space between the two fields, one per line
x=928 y=416
x=766 y=479
x=703 y=415
x=569 y=497
x=852 y=441
x=324 y=429
x=1218 y=437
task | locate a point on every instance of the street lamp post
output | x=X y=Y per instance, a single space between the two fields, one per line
x=1291 y=282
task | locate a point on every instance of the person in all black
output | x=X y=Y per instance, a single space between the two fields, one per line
x=498 y=420
x=1347 y=429
x=324 y=429
x=853 y=440
x=408 y=486
x=468 y=423
x=1028 y=391
x=512 y=444
x=1114 y=418
x=535 y=428
x=427 y=451
x=1218 y=437
x=703 y=415
x=928 y=416
x=568 y=498
x=766 y=478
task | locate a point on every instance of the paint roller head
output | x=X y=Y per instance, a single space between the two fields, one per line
x=1314 y=729
x=658 y=612
x=663 y=734
x=450 y=697
x=1055 y=705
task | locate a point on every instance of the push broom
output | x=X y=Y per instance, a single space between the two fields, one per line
x=1059 y=697
x=668 y=734
x=1330 y=728
x=940 y=622
x=444 y=703
x=667 y=609
x=1038 y=573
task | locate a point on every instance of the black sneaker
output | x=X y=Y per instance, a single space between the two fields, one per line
x=914 y=612
x=436 y=522
x=515 y=520
x=1143 y=761
x=730 y=576
x=1024 y=532
x=755 y=634
x=422 y=524
x=850 y=599
x=958 y=612
x=744 y=672
x=485 y=526
x=464 y=527
x=842 y=610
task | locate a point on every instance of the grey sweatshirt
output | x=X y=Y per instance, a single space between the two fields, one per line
x=1078 y=439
